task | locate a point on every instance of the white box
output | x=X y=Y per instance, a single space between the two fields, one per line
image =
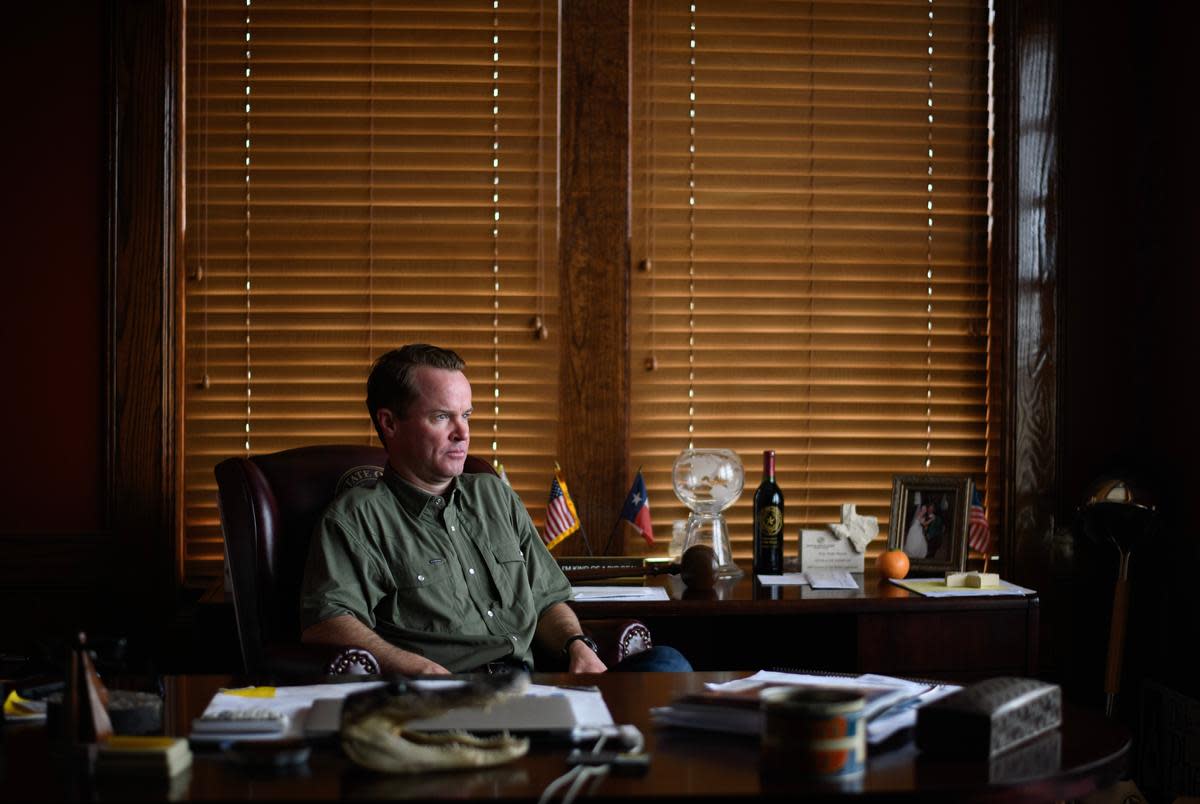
x=822 y=550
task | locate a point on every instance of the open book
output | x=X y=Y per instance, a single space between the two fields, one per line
x=735 y=707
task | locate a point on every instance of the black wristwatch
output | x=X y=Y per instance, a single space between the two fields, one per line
x=587 y=640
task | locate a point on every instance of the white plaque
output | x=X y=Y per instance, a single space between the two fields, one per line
x=822 y=550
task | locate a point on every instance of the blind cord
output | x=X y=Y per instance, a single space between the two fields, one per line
x=496 y=233
x=691 y=249
x=370 y=433
x=246 y=231
x=929 y=205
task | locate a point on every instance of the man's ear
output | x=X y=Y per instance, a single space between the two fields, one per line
x=386 y=421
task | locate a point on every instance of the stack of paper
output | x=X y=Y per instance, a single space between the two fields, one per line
x=734 y=707
x=817 y=579
x=241 y=723
x=619 y=593
x=265 y=713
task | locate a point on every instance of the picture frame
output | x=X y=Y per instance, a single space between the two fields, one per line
x=929 y=521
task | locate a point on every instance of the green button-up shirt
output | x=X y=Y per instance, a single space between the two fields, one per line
x=459 y=579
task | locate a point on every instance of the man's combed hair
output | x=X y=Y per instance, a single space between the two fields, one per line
x=391 y=384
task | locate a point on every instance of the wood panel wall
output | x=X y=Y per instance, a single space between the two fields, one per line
x=593 y=259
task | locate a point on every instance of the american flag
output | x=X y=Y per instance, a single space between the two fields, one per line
x=979 y=535
x=561 y=519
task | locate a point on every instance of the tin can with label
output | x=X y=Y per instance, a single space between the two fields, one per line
x=814 y=732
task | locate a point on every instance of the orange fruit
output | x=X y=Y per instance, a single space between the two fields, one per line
x=893 y=564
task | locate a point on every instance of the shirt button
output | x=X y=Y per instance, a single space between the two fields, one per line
x=420 y=577
x=452 y=527
x=471 y=571
x=490 y=614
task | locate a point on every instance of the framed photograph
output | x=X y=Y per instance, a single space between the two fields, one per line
x=929 y=521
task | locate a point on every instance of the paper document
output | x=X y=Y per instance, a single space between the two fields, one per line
x=619 y=593
x=251 y=711
x=817 y=579
x=936 y=587
x=831 y=579
x=786 y=579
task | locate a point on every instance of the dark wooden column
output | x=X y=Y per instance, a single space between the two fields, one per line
x=142 y=227
x=593 y=254
x=1028 y=222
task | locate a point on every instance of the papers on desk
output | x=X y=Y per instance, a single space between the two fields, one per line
x=893 y=709
x=817 y=579
x=619 y=593
x=266 y=713
x=936 y=587
x=274 y=713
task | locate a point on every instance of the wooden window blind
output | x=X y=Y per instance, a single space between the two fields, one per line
x=358 y=176
x=818 y=277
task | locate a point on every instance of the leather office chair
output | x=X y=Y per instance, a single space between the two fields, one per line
x=269 y=505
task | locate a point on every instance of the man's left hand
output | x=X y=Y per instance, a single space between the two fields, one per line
x=583 y=659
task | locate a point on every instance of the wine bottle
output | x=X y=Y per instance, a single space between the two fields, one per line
x=768 y=521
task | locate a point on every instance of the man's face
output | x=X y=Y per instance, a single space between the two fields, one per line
x=429 y=445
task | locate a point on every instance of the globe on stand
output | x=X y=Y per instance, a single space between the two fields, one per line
x=708 y=481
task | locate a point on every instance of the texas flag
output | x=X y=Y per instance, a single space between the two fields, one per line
x=637 y=509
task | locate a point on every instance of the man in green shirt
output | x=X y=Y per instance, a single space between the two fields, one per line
x=432 y=570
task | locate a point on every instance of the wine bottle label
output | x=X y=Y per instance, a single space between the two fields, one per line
x=770 y=520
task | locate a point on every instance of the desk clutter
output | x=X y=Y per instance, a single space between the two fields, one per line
x=737 y=707
x=800 y=739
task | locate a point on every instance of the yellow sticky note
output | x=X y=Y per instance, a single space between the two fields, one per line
x=252 y=692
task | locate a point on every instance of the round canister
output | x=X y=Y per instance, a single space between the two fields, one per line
x=815 y=732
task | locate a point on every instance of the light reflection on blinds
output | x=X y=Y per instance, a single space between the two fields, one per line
x=795 y=267
x=343 y=198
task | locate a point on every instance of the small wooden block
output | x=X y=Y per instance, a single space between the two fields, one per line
x=982 y=580
x=955 y=579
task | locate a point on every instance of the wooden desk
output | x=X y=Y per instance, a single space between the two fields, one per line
x=692 y=764
x=879 y=628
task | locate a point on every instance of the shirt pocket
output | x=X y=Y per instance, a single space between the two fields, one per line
x=509 y=570
x=425 y=597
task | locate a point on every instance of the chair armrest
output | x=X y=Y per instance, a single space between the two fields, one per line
x=616 y=639
x=306 y=661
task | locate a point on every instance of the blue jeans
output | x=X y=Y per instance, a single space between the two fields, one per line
x=658 y=659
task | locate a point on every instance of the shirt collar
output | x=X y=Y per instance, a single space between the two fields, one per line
x=413 y=499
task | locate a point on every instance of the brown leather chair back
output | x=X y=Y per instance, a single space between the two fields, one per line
x=269 y=505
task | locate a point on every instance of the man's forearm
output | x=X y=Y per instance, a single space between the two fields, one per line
x=556 y=625
x=348 y=630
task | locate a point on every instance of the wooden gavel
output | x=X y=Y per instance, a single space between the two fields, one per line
x=697 y=568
